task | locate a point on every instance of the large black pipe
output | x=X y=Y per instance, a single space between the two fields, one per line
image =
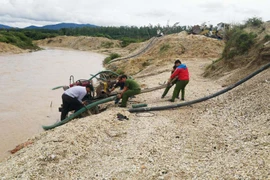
x=158 y=108
x=139 y=53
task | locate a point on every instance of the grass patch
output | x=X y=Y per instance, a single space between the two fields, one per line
x=127 y=41
x=164 y=48
x=145 y=64
x=107 y=44
x=111 y=57
x=266 y=38
x=120 y=71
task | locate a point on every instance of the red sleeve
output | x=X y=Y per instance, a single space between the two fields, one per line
x=175 y=73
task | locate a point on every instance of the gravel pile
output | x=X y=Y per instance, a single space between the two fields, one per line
x=227 y=137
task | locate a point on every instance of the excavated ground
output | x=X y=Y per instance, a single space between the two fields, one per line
x=226 y=137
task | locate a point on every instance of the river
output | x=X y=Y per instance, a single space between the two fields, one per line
x=27 y=100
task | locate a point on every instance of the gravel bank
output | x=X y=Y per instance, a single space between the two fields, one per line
x=227 y=137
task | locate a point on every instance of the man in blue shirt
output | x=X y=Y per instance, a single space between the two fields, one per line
x=72 y=99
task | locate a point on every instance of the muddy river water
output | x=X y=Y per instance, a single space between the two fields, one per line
x=27 y=100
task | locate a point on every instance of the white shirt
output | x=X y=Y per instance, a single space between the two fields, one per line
x=76 y=92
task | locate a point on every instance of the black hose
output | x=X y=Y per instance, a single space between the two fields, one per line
x=139 y=53
x=143 y=109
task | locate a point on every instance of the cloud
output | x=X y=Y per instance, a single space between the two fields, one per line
x=153 y=14
x=123 y=12
x=211 y=6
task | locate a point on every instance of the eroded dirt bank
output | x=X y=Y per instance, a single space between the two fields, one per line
x=223 y=138
x=10 y=49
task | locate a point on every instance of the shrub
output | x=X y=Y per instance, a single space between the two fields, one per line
x=239 y=42
x=114 y=55
x=120 y=71
x=18 y=39
x=146 y=63
x=255 y=21
x=107 y=44
x=106 y=60
x=11 y=39
x=245 y=41
x=126 y=41
x=231 y=54
x=35 y=35
x=111 y=57
x=267 y=37
x=99 y=35
x=164 y=48
x=3 y=39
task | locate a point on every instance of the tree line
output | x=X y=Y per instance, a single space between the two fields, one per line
x=127 y=34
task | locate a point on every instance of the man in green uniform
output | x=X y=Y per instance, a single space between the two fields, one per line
x=131 y=88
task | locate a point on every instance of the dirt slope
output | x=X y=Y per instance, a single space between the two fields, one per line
x=169 y=48
x=85 y=43
x=164 y=51
x=226 y=137
x=10 y=49
x=231 y=70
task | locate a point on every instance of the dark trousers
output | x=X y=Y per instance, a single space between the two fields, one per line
x=69 y=104
x=180 y=86
x=168 y=88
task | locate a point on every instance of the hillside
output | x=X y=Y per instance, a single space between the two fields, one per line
x=60 y=26
x=10 y=49
x=52 y=26
x=240 y=66
x=94 y=44
x=173 y=46
x=226 y=137
x=168 y=48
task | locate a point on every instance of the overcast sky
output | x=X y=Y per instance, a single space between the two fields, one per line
x=22 y=13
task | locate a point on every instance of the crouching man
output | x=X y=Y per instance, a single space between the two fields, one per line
x=72 y=99
x=131 y=88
